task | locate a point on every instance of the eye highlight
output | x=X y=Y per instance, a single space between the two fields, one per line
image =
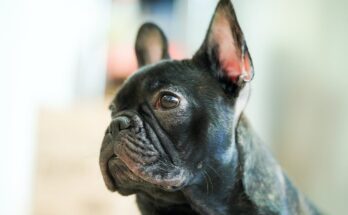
x=168 y=101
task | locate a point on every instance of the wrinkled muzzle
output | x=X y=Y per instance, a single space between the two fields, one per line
x=132 y=154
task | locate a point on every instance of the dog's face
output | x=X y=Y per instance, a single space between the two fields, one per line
x=173 y=120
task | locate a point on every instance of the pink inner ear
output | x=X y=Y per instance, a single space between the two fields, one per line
x=154 y=48
x=229 y=56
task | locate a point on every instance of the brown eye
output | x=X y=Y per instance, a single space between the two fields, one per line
x=168 y=101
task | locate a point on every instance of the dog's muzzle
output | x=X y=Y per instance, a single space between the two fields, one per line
x=132 y=153
x=132 y=145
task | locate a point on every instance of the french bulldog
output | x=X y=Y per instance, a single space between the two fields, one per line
x=178 y=138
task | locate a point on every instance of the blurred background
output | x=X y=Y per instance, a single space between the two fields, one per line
x=62 y=61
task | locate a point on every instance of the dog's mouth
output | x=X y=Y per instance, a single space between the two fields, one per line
x=135 y=159
x=127 y=176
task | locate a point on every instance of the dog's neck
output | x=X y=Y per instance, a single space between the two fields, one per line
x=227 y=195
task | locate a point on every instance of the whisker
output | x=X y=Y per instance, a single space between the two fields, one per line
x=206 y=182
x=214 y=171
x=209 y=178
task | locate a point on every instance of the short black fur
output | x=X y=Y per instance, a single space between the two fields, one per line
x=200 y=156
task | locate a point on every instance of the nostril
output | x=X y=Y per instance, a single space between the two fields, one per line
x=119 y=123
x=124 y=122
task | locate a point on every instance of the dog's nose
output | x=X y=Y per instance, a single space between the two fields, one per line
x=119 y=123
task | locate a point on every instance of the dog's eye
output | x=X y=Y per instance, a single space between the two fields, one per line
x=168 y=101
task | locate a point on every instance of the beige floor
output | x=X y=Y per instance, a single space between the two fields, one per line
x=67 y=179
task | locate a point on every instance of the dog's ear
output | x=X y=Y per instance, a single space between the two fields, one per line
x=224 y=49
x=151 y=45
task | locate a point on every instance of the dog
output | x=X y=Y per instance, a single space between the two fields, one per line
x=178 y=138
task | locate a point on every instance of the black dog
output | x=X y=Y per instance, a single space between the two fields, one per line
x=178 y=138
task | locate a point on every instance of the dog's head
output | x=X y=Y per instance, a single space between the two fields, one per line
x=172 y=120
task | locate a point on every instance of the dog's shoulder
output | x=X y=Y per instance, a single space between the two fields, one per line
x=265 y=183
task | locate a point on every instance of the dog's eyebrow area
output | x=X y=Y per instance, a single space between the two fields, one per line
x=154 y=85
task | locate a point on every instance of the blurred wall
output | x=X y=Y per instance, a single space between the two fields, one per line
x=52 y=53
x=299 y=102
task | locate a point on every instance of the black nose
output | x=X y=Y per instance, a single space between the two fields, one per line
x=119 y=123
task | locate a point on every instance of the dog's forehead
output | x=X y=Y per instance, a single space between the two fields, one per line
x=168 y=72
x=181 y=74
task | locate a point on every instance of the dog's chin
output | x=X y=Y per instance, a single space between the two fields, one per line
x=128 y=177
